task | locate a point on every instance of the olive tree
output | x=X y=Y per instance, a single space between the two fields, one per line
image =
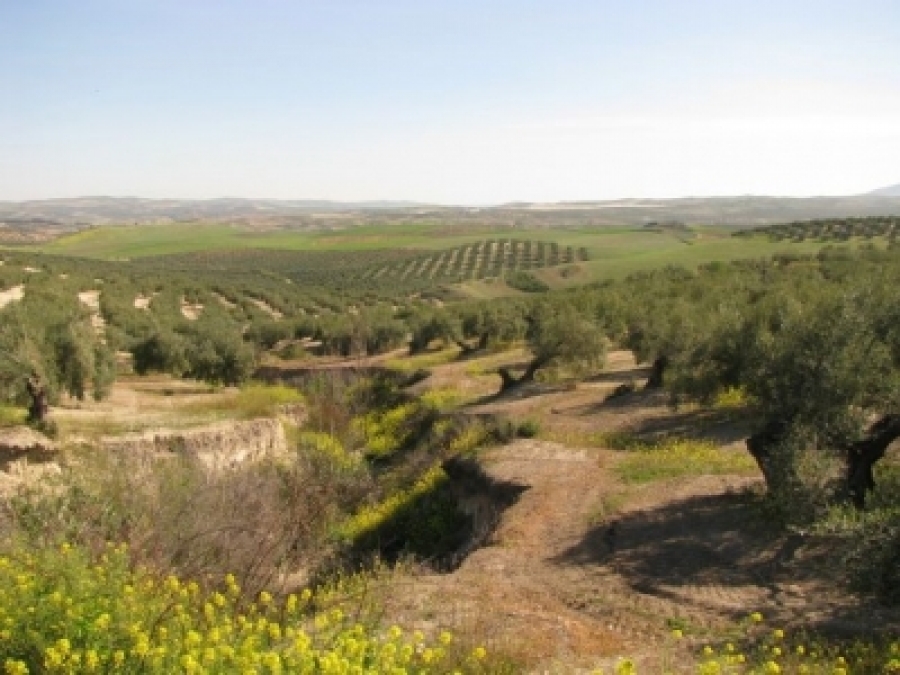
x=558 y=335
x=49 y=347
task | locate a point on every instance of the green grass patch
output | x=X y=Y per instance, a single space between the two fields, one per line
x=11 y=416
x=676 y=458
x=409 y=364
x=372 y=517
x=252 y=400
x=733 y=398
x=443 y=399
x=94 y=428
x=501 y=355
x=755 y=646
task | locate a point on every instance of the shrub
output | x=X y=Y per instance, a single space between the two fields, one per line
x=67 y=613
x=256 y=522
x=385 y=432
x=374 y=516
x=526 y=282
x=873 y=560
x=528 y=428
x=265 y=400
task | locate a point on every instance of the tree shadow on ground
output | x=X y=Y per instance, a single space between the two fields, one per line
x=650 y=418
x=521 y=391
x=718 y=427
x=700 y=539
x=716 y=552
x=637 y=374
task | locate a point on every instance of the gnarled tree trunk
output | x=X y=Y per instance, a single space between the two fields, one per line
x=37 y=411
x=465 y=348
x=657 y=371
x=761 y=445
x=509 y=380
x=862 y=456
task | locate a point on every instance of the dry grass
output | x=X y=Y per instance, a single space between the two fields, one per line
x=250 y=401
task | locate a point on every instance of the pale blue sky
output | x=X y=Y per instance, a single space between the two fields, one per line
x=449 y=102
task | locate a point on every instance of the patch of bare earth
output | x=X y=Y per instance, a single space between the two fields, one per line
x=583 y=568
x=13 y=294
x=91 y=300
x=189 y=311
x=267 y=308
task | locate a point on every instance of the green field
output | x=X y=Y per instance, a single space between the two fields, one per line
x=611 y=252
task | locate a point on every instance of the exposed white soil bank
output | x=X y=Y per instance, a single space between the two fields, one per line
x=218 y=446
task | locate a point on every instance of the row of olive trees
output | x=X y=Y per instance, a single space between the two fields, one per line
x=813 y=343
x=815 y=350
x=48 y=347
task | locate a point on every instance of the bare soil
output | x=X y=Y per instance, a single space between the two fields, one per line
x=583 y=568
x=12 y=295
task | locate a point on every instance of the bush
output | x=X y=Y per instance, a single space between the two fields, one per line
x=528 y=429
x=422 y=520
x=67 y=613
x=265 y=400
x=874 y=559
x=526 y=282
x=256 y=522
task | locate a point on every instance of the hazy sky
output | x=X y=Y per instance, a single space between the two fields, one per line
x=459 y=101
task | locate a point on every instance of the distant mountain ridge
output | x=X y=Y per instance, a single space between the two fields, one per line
x=59 y=215
x=889 y=191
x=96 y=210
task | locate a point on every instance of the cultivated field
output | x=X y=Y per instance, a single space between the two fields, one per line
x=608 y=251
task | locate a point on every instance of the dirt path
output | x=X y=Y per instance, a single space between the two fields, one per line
x=508 y=593
x=571 y=578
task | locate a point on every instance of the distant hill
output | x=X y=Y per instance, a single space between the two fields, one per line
x=46 y=219
x=890 y=191
x=733 y=212
x=97 y=210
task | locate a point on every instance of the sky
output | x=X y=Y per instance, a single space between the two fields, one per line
x=450 y=102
